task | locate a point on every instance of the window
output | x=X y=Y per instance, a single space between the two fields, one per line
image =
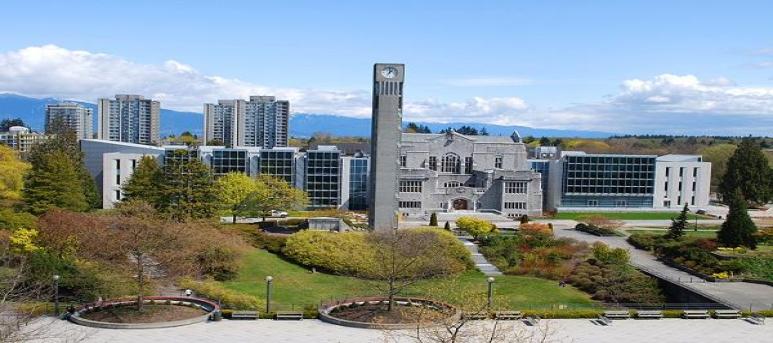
x=118 y=195
x=409 y=204
x=134 y=164
x=668 y=170
x=433 y=162
x=498 y=162
x=680 y=186
x=452 y=184
x=695 y=172
x=403 y=161
x=666 y=188
x=515 y=187
x=692 y=200
x=451 y=164
x=681 y=172
x=410 y=186
x=620 y=203
x=515 y=205
x=679 y=200
x=593 y=203
x=468 y=165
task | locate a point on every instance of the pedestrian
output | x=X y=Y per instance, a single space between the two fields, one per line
x=188 y=292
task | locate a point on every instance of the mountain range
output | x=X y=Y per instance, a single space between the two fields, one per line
x=32 y=112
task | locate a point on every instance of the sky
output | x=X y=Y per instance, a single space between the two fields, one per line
x=670 y=67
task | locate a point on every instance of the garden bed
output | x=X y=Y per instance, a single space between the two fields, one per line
x=150 y=314
x=373 y=312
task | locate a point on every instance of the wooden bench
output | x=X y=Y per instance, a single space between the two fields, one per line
x=617 y=314
x=695 y=314
x=475 y=315
x=288 y=315
x=532 y=320
x=603 y=320
x=652 y=314
x=727 y=314
x=756 y=319
x=244 y=315
x=508 y=315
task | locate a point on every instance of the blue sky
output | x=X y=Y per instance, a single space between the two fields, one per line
x=697 y=67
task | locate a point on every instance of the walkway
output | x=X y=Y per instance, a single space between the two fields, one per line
x=480 y=262
x=308 y=330
x=740 y=295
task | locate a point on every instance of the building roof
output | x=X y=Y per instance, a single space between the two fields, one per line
x=424 y=137
x=680 y=158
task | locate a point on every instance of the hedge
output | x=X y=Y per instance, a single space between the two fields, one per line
x=216 y=292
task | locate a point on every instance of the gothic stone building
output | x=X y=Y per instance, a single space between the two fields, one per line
x=451 y=172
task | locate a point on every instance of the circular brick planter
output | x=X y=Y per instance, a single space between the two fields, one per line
x=209 y=307
x=326 y=309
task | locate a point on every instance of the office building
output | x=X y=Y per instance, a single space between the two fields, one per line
x=385 y=139
x=221 y=122
x=322 y=177
x=354 y=192
x=73 y=116
x=224 y=160
x=21 y=138
x=680 y=180
x=451 y=172
x=130 y=119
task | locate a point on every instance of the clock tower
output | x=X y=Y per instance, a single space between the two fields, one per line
x=385 y=137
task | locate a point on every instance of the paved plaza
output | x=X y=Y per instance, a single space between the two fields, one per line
x=567 y=330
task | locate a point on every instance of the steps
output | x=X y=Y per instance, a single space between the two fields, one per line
x=480 y=262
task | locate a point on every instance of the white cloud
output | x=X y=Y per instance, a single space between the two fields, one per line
x=488 y=82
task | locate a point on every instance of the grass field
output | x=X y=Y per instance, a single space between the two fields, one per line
x=295 y=286
x=645 y=215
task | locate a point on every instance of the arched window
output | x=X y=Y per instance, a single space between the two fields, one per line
x=451 y=164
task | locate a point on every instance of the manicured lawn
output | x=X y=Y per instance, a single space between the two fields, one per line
x=295 y=286
x=627 y=215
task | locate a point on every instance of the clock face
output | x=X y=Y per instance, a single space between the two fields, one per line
x=389 y=72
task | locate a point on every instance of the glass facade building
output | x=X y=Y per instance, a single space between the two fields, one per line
x=590 y=180
x=229 y=161
x=279 y=163
x=322 y=177
x=358 y=184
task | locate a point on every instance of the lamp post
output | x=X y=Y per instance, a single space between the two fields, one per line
x=269 y=279
x=56 y=294
x=490 y=281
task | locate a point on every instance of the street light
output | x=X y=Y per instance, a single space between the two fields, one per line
x=490 y=290
x=269 y=279
x=56 y=294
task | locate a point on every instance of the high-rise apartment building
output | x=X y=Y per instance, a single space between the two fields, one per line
x=129 y=118
x=73 y=116
x=260 y=122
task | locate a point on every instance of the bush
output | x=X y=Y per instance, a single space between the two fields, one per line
x=595 y=230
x=433 y=219
x=476 y=227
x=213 y=290
x=615 y=283
x=217 y=262
x=643 y=241
x=269 y=242
x=10 y=220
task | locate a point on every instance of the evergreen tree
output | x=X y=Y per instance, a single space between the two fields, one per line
x=738 y=228
x=483 y=131
x=54 y=181
x=678 y=224
x=5 y=124
x=749 y=172
x=433 y=219
x=145 y=182
x=447 y=226
x=187 y=190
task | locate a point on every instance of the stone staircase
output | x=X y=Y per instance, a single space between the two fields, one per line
x=480 y=262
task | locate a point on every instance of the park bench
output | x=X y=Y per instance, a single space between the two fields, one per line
x=727 y=314
x=244 y=315
x=532 y=320
x=508 y=315
x=756 y=319
x=289 y=315
x=475 y=315
x=603 y=320
x=652 y=314
x=695 y=314
x=617 y=314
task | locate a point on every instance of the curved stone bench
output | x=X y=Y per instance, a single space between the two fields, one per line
x=325 y=309
x=210 y=307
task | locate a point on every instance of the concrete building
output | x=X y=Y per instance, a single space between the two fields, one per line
x=21 y=138
x=130 y=119
x=221 y=122
x=453 y=172
x=680 y=180
x=74 y=116
x=385 y=140
x=579 y=181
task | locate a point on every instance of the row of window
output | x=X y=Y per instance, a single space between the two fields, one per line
x=516 y=187
x=409 y=204
x=410 y=186
x=515 y=205
x=681 y=171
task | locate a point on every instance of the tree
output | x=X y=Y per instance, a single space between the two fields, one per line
x=5 y=124
x=273 y=193
x=678 y=224
x=738 y=228
x=144 y=182
x=54 y=181
x=233 y=189
x=483 y=131
x=12 y=171
x=187 y=190
x=433 y=219
x=749 y=172
x=476 y=227
x=447 y=226
x=544 y=141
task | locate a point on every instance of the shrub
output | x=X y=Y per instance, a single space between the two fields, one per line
x=536 y=228
x=643 y=241
x=433 y=219
x=269 y=242
x=217 y=262
x=595 y=230
x=447 y=226
x=476 y=227
x=615 y=283
x=215 y=291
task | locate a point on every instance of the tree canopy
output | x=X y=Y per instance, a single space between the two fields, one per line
x=144 y=182
x=678 y=224
x=54 y=181
x=738 y=229
x=748 y=171
x=186 y=190
x=273 y=193
x=233 y=189
x=12 y=172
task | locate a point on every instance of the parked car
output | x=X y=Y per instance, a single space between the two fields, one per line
x=277 y=214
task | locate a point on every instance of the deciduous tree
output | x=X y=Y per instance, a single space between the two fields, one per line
x=273 y=193
x=232 y=191
x=12 y=172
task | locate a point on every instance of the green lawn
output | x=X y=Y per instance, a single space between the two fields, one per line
x=645 y=215
x=295 y=286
